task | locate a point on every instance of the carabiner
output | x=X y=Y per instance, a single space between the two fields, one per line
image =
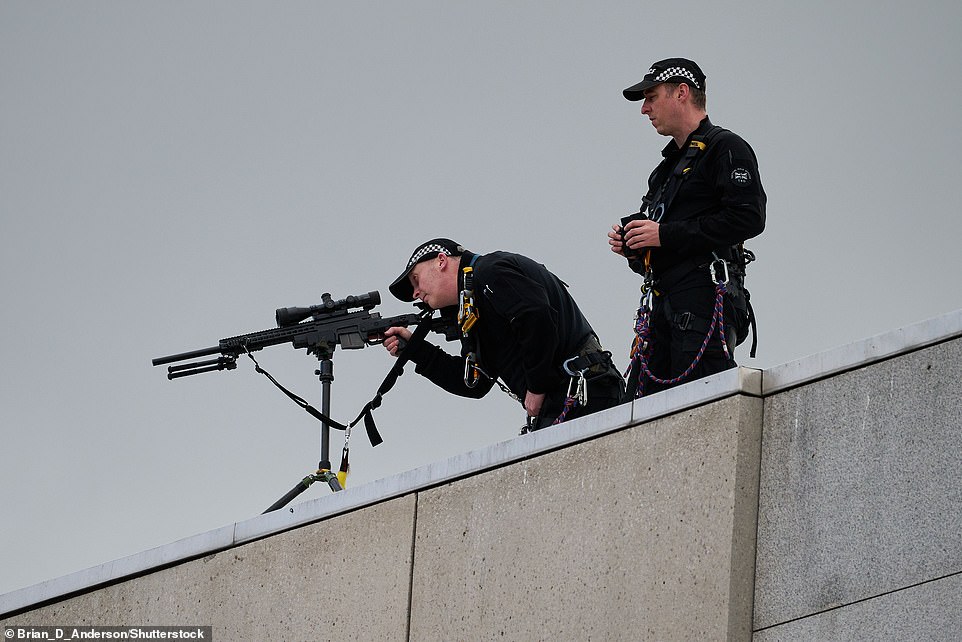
x=471 y=374
x=714 y=273
x=647 y=293
x=569 y=371
x=577 y=388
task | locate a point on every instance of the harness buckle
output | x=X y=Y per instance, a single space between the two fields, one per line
x=714 y=272
x=467 y=316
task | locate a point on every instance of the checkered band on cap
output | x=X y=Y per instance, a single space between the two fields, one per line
x=401 y=287
x=668 y=70
x=432 y=249
x=672 y=72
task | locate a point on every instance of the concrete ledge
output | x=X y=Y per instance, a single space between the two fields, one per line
x=862 y=353
x=348 y=577
x=131 y=565
x=745 y=381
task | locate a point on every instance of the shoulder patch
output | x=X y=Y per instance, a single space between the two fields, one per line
x=741 y=176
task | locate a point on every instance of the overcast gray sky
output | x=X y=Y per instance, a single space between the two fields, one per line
x=171 y=173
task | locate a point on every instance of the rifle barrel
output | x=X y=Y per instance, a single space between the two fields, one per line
x=183 y=356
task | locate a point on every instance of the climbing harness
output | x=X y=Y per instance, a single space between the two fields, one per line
x=654 y=207
x=666 y=193
x=640 y=350
x=578 y=368
x=467 y=311
x=467 y=318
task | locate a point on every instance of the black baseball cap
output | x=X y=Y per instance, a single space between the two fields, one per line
x=668 y=70
x=401 y=288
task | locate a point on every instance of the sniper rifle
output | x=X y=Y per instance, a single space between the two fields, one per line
x=349 y=322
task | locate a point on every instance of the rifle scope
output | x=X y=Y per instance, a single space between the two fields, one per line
x=328 y=306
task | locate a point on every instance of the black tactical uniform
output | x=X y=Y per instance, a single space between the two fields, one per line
x=528 y=326
x=718 y=204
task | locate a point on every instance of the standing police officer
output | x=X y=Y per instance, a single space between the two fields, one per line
x=704 y=199
x=517 y=322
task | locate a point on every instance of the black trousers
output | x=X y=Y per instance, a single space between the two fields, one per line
x=679 y=322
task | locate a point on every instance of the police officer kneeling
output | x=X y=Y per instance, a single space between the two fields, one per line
x=517 y=323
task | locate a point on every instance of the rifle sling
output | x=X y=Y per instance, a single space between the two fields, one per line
x=366 y=412
x=311 y=410
x=392 y=376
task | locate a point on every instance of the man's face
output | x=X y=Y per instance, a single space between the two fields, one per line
x=661 y=108
x=435 y=282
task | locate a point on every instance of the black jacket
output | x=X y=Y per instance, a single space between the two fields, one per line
x=720 y=202
x=528 y=325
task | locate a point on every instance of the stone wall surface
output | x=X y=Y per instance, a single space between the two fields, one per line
x=925 y=613
x=319 y=582
x=860 y=485
x=631 y=536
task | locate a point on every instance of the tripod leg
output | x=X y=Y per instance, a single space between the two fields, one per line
x=302 y=485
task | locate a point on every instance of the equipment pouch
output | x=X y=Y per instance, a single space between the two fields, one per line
x=737 y=298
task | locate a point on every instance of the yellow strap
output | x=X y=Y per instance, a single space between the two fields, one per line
x=344 y=469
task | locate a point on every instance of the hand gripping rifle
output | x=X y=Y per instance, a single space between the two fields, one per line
x=350 y=323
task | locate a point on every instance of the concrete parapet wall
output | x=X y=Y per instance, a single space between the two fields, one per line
x=782 y=505
x=630 y=536
x=295 y=585
x=861 y=492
